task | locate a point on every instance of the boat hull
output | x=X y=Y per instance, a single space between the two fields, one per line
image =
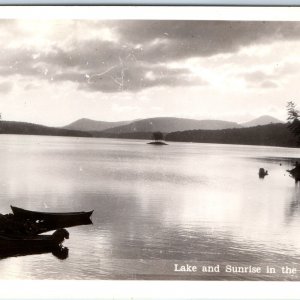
x=51 y=221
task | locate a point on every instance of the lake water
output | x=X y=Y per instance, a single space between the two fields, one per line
x=201 y=204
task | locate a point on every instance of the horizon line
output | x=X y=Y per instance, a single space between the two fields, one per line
x=140 y=119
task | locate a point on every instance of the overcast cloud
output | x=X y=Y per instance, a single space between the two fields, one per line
x=130 y=59
x=135 y=50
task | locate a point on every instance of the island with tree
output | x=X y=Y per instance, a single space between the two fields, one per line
x=158 y=138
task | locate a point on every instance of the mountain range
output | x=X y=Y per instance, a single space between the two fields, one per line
x=272 y=134
x=92 y=125
x=163 y=124
x=11 y=127
x=263 y=120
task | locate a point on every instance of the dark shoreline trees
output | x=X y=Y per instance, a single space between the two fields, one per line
x=263 y=135
x=293 y=119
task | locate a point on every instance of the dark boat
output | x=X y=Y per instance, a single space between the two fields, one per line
x=28 y=214
x=44 y=221
x=14 y=245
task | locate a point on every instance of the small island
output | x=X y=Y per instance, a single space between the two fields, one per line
x=158 y=143
x=158 y=138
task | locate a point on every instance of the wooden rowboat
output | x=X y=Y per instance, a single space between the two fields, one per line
x=45 y=221
x=36 y=215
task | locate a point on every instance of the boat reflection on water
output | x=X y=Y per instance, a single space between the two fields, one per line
x=58 y=251
x=12 y=245
x=61 y=252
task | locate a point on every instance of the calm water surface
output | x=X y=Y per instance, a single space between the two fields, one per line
x=154 y=206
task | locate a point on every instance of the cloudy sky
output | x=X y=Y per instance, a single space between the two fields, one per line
x=55 y=72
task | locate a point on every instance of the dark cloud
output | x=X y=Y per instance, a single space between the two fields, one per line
x=256 y=76
x=182 y=39
x=268 y=84
x=286 y=69
x=139 y=57
x=262 y=79
x=96 y=66
x=163 y=41
x=259 y=79
x=131 y=78
x=18 y=61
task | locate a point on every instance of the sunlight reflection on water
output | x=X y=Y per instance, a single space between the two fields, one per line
x=185 y=202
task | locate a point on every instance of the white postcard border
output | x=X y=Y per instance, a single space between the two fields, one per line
x=105 y=289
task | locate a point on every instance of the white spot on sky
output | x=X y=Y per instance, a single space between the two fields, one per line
x=150 y=75
x=36 y=55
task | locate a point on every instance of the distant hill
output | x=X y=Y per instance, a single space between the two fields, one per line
x=263 y=120
x=11 y=127
x=168 y=124
x=92 y=125
x=267 y=135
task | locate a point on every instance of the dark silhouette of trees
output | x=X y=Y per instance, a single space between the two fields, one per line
x=267 y=135
x=157 y=136
x=293 y=112
x=293 y=119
